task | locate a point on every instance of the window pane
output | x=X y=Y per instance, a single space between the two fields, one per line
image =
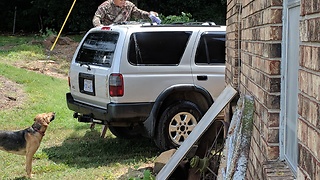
x=292 y=88
x=157 y=48
x=98 y=49
x=211 y=49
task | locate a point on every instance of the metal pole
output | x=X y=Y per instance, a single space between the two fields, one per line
x=63 y=26
x=14 y=20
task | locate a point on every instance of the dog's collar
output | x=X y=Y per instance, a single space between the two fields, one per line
x=37 y=129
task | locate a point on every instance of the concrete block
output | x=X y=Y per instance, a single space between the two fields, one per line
x=162 y=159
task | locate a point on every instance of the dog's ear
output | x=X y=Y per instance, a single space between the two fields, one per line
x=36 y=118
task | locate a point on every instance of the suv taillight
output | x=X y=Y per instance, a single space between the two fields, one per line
x=106 y=28
x=116 y=85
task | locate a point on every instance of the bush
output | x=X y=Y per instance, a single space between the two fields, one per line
x=183 y=18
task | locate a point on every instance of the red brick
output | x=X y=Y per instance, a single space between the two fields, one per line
x=273 y=152
x=302 y=132
x=273 y=67
x=275 y=16
x=276 y=2
x=272 y=101
x=275 y=33
x=273 y=135
x=273 y=120
x=313 y=142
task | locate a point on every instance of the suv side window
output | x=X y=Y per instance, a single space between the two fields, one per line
x=211 y=49
x=157 y=48
x=98 y=49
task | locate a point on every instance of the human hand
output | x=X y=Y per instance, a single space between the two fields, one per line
x=154 y=17
x=153 y=13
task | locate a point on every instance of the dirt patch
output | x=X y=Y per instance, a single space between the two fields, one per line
x=60 y=55
x=63 y=49
x=11 y=93
x=47 y=67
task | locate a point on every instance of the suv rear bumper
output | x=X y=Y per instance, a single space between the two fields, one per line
x=128 y=112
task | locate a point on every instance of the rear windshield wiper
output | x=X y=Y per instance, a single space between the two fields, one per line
x=87 y=64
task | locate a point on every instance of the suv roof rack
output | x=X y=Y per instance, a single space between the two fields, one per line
x=197 y=23
x=176 y=24
x=129 y=23
x=184 y=24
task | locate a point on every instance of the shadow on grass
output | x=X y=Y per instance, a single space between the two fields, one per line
x=91 y=150
x=21 y=178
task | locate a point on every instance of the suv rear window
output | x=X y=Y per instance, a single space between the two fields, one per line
x=98 y=49
x=211 y=49
x=157 y=48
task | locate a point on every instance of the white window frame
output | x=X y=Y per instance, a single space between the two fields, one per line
x=286 y=5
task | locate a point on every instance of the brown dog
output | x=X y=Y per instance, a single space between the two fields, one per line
x=26 y=142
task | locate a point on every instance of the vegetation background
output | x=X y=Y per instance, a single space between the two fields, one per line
x=34 y=16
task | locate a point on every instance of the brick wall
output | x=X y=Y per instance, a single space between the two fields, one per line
x=259 y=50
x=309 y=97
x=232 y=43
x=253 y=48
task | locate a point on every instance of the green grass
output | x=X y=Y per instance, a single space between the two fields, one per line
x=77 y=37
x=15 y=40
x=30 y=48
x=69 y=149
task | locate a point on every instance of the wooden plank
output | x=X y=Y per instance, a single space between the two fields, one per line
x=104 y=130
x=224 y=98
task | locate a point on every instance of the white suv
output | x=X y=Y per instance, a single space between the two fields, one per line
x=150 y=80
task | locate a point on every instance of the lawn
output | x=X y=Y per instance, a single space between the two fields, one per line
x=69 y=149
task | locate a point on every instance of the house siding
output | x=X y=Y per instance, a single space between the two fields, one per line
x=253 y=67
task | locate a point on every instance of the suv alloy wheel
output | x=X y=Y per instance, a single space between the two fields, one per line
x=176 y=123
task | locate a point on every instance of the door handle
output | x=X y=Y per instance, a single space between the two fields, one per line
x=202 y=77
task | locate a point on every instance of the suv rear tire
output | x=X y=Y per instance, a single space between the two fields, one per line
x=176 y=123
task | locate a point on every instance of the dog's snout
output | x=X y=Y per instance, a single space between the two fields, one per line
x=53 y=116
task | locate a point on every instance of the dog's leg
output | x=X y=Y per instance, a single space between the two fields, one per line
x=28 y=165
x=32 y=146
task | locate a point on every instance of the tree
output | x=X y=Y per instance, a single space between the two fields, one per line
x=39 y=15
x=201 y=10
